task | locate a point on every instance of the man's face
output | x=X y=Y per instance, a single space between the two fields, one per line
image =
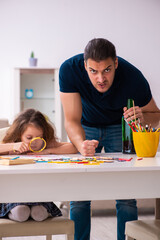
x=101 y=73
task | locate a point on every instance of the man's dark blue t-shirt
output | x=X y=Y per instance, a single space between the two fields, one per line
x=102 y=109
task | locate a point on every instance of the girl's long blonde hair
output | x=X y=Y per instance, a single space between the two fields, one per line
x=26 y=118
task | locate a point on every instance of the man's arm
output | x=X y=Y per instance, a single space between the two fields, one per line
x=149 y=114
x=72 y=107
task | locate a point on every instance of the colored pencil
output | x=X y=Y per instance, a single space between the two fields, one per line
x=134 y=112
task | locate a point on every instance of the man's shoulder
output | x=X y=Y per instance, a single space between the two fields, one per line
x=126 y=65
x=77 y=60
x=124 y=62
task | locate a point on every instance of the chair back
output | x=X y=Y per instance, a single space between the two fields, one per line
x=3 y=132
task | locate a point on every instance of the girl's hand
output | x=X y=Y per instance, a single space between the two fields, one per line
x=20 y=147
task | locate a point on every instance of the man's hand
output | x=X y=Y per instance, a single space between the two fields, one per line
x=129 y=114
x=88 y=147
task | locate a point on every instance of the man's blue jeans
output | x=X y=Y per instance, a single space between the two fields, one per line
x=110 y=138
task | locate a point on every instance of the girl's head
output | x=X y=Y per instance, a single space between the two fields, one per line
x=30 y=124
x=31 y=132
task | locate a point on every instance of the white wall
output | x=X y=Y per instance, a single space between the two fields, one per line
x=58 y=29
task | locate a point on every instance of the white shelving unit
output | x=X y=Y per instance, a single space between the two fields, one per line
x=44 y=83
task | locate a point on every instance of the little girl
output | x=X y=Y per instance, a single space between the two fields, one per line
x=28 y=125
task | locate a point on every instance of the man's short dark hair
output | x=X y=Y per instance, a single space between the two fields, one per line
x=99 y=49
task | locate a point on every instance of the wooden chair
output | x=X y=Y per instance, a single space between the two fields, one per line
x=49 y=227
x=3 y=132
x=4 y=123
x=144 y=229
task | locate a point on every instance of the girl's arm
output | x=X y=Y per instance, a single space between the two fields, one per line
x=59 y=148
x=8 y=148
x=5 y=148
x=63 y=148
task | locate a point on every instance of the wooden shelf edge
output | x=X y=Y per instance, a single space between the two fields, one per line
x=36 y=71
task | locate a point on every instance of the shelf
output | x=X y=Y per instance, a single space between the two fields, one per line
x=43 y=82
x=36 y=71
x=40 y=98
x=43 y=86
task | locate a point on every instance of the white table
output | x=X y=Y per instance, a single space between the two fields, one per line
x=65 y=182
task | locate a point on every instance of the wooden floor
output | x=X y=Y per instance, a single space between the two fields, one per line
x=103 y=226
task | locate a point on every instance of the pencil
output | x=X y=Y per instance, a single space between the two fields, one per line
x=130 y=126
x=134 y=112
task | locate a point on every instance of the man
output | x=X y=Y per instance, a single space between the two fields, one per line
x=94 y=90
